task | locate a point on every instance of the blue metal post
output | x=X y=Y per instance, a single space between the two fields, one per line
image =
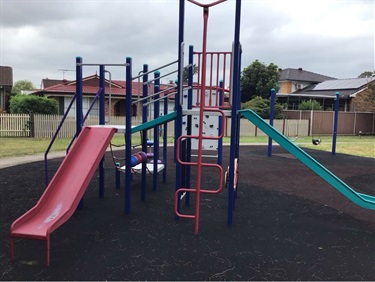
x=236 y=97
x=272 y=105
x=238 y=118
x=101 y=122
x=165 y=136
x=79 y=113
x=156 y=129
x=144 y=132
x=335 y=121
x=178 y=108
x=128 y=142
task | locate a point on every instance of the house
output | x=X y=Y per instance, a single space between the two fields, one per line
x=291 y=80
x=297 y=85
x=63 y=91
x=6 y=83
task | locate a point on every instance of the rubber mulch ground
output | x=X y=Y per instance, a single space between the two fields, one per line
x=288 y=225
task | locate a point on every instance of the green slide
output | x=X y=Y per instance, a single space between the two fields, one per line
x=362 y=200
x=150 y=124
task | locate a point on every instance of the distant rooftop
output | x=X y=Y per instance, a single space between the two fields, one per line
x=341 y=84
x=51 y=82
x=302 y=75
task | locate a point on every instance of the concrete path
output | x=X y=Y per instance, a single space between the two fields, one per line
x=13 y=161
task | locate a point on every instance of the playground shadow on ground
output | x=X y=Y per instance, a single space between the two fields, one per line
x=288 y=225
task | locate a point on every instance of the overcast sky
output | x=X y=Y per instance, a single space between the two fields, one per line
x=328 y=37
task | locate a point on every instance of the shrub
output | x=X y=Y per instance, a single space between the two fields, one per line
x=308 y=105
x=262 y=107
x=22 y=104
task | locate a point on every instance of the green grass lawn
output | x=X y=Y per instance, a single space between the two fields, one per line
x=352 y=145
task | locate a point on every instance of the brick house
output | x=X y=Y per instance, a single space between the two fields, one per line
x=298 y=85
x=6 y=83
x=63 y=91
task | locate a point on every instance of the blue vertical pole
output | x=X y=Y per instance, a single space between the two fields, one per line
x=236 y=97
x=101 y=122
x=144 y=132
x=165 y=136
x=335 y=121
x=178 y=108
x=156 y=129
x=272 y=106
x=79 y=115
x=128 y=142
x=238 y=118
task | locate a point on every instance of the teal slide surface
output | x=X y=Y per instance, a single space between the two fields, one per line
x=150 y=124
x=362 y=200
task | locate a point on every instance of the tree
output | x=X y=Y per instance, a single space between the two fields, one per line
x=185 y=74
x=258 y=79
x=309 y=105
x=25 y=104
x=21 y=85
x=262 y=107
x=17 y=88
x=366 y=74
x=365 y=101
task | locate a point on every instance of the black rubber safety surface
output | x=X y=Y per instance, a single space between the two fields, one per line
x=288 y=224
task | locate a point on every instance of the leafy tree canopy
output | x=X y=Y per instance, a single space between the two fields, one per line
x=262 y=107
x=21 y=85
x=365 y=101
x=25 y=104
x=185 y=74
x=366 y=74
x=258 y=79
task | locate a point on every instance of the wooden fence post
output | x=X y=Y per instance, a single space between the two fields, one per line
x=32 y=126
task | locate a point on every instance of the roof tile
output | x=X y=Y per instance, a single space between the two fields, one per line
x=302 y=75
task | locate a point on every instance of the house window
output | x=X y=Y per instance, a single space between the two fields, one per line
x=86 y=103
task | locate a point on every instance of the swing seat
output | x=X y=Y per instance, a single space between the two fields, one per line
x=316 y=141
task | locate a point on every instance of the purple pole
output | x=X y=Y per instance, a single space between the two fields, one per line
x=128 y=142
x=272 y=105
x=236 y=98
x=335 y=120
x=102 y=122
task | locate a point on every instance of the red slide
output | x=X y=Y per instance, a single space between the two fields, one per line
x=64 y=192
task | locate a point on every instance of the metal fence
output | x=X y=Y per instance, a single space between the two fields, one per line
x=349 y=123
x=296 y=123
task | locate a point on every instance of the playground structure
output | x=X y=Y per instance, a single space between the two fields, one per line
x=202 y=105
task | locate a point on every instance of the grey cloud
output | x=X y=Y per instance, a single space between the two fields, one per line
x=109 y=31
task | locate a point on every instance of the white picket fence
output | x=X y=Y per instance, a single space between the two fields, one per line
x=44 y=126
x=15 y=125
